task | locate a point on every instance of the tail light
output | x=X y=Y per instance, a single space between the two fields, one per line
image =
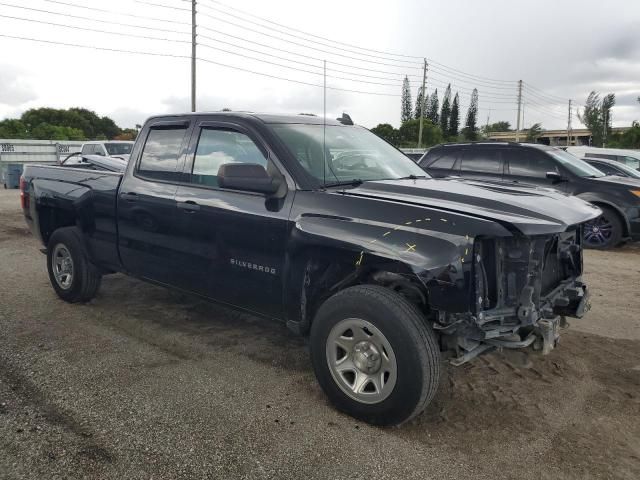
x=24 y=195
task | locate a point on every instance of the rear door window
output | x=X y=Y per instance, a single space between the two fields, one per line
x=482 y=160
x=161 y=154
x=527 y=162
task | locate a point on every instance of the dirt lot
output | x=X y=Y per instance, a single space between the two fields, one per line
x=145 y=383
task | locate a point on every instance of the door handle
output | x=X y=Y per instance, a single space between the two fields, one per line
x=189 y=206
x=129 y=196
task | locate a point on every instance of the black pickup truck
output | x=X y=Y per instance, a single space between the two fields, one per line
x=328 y=228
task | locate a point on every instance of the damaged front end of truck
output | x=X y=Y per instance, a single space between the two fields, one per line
x=524 y=288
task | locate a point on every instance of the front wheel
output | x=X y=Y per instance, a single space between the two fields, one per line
x=374 y=355
x=604 y=232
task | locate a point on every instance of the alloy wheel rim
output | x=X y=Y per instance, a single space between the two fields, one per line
x=361 y=360
x=598 y=232
x=62 y=264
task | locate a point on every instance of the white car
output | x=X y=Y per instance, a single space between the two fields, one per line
x=108 y=148
x=631 y=158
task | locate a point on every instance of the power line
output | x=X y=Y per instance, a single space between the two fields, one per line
x=544 y=99
x=81 y=17
x=293 y=68
x=318 y=66
x=409 y=62
x=531 y=87
x=445 y=67
x=202 y=59
x=406 y=67
x=93 y=47
x=94 y=30
x=114 y=12
x=145 y=2
x=312 y=35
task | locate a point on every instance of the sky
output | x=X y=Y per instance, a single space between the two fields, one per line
x=561 y=50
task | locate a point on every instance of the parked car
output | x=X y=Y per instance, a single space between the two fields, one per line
x=613 y=167
x=631 y=158
x=110 y=148
x=618 y=198
x=387 y=270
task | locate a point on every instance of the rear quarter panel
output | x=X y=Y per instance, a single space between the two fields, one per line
x=62 y=196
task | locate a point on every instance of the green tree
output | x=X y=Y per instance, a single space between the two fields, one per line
x=46 y=131
x=433 y=108
x=534 y=132
x=445 y=113
x=627 y=139
x=419 y=101
x=454 y=118
x=87 y=121
x=470 y=130
x=501 y=126
x=431 y=134
x=597 y=116
x=387 y=132
x=13 y=128
x=405 y=109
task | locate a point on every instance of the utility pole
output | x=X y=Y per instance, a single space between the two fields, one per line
x=193 y=55
x=487 y=127
x=604 y=126
x=424 y=94
x=519 y=110
x=569 y=126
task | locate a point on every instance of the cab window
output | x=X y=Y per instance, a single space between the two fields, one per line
x=161 y=154
x=217 y=147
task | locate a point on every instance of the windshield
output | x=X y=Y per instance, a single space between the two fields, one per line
x=352 y=153
x=575 y=165
x=118 y=148
x=632 y=172
x=631 y=162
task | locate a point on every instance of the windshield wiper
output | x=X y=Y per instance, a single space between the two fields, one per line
x=411 y=177
x=354 y=183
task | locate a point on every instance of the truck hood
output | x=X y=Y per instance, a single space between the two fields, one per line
x=531 y=210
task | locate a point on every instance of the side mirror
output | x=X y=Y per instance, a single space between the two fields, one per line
x=555 y=177
x=249 y=177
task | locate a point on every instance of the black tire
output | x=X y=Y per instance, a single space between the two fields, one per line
x=413 y=342
x=85 y=279
x=609 y=218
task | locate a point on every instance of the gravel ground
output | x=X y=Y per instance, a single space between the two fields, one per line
x=146 y=383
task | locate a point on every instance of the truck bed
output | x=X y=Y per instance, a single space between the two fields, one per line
x=83 y=196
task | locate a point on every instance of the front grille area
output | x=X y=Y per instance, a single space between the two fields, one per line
x=510 y=271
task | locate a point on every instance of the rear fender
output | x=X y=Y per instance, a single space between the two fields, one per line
x=60 y=204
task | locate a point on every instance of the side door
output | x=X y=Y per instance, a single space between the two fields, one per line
x=528 y=165
x=232 y=243
x=481 y=163
x=146 y=203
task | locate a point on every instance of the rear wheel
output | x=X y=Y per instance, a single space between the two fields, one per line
x=71 y=274
x=604 y=232
x=374 y=355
